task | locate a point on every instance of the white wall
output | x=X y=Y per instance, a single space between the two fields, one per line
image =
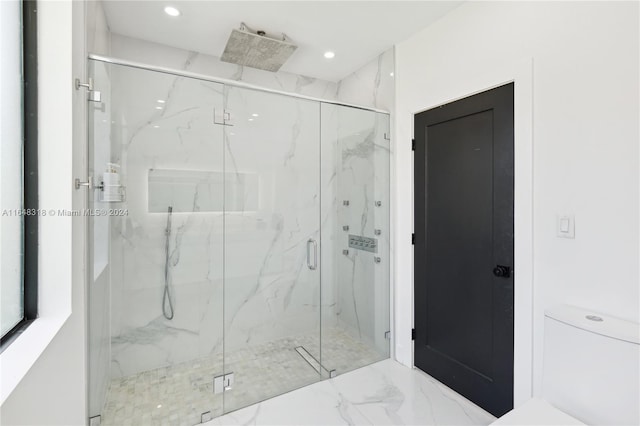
x=585 y=142
x=53 y=390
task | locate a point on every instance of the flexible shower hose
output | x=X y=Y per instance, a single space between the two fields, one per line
x=166 y=297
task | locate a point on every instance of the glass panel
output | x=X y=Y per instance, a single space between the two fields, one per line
x=272 y=296
x=355 y=207
x=155 y=296
x=11 y=183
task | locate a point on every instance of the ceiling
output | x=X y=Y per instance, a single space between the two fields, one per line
x=357 y=31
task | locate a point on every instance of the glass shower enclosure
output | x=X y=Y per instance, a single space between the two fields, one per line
x=239 y=247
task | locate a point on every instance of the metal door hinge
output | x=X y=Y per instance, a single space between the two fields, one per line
x=94 y=95
x=413 y=239
x=387 y=335
x=89 y=184
x=223 y=383
x=222 y=117
x=413 y=334
x=387 y=136
x=413 y=144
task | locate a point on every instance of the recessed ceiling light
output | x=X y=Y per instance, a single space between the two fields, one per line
x=171 y=11
x=251 y=119
x=159 y=406
x=156 y=127
x=160 y=101
x=254 y=114
x=329 y=54
x=158 y=107
x=391 y=74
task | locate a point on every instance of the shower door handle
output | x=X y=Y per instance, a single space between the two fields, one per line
x=312 y=243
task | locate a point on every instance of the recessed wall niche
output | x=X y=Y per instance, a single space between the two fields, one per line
x=190 y=191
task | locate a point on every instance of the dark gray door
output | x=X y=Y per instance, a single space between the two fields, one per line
x=464 y=246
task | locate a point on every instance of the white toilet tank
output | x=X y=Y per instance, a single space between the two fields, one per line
x=592 y=366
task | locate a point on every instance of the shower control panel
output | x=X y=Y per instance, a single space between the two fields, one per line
x=363 y=243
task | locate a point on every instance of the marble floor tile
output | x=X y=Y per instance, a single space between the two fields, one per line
x=384 y=393
x=178 y=394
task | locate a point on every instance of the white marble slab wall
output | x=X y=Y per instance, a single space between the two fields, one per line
x=363 y=183
x=383 y=150
x=373 y=85
x=162 y=121
x=160 y=55
x=270 y=292
x=331 y=229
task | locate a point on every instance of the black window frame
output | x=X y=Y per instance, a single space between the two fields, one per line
x=30 y=170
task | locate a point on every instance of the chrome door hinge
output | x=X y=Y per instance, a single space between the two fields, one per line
x=222 y=117
x=223 y=383
x=387 y=136
x=94 y=95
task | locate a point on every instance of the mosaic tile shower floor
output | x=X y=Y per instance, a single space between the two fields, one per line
x=179 y=394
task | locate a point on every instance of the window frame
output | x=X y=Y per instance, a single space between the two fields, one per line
x=30 y=170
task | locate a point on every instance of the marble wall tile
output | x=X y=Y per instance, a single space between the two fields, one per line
x=160 y=121
x=372 y=85
x=156 y=54
x=259 y=277
x=362 y=284
x=270 y=291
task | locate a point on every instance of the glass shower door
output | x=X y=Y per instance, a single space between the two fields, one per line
x=272 y=247
x=155 y=286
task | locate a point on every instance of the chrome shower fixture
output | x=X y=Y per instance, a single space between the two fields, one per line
x=167 y=303
x=256 y=49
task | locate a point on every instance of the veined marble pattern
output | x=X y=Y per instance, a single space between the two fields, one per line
x=372 y=85
x=362 y=175
x=267 y=292
x=384 y=393
x=156 y=54
x=162 y=121
x=180 y=393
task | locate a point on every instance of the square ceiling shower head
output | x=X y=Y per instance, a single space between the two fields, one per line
x=257 y=51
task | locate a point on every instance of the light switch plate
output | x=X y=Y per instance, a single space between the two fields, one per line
x=565 y=226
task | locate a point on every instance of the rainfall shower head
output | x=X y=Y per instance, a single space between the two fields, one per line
x=257 y=50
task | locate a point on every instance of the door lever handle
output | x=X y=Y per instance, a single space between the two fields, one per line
x=502 y=271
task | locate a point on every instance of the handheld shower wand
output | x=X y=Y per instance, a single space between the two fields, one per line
x=167 y=303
